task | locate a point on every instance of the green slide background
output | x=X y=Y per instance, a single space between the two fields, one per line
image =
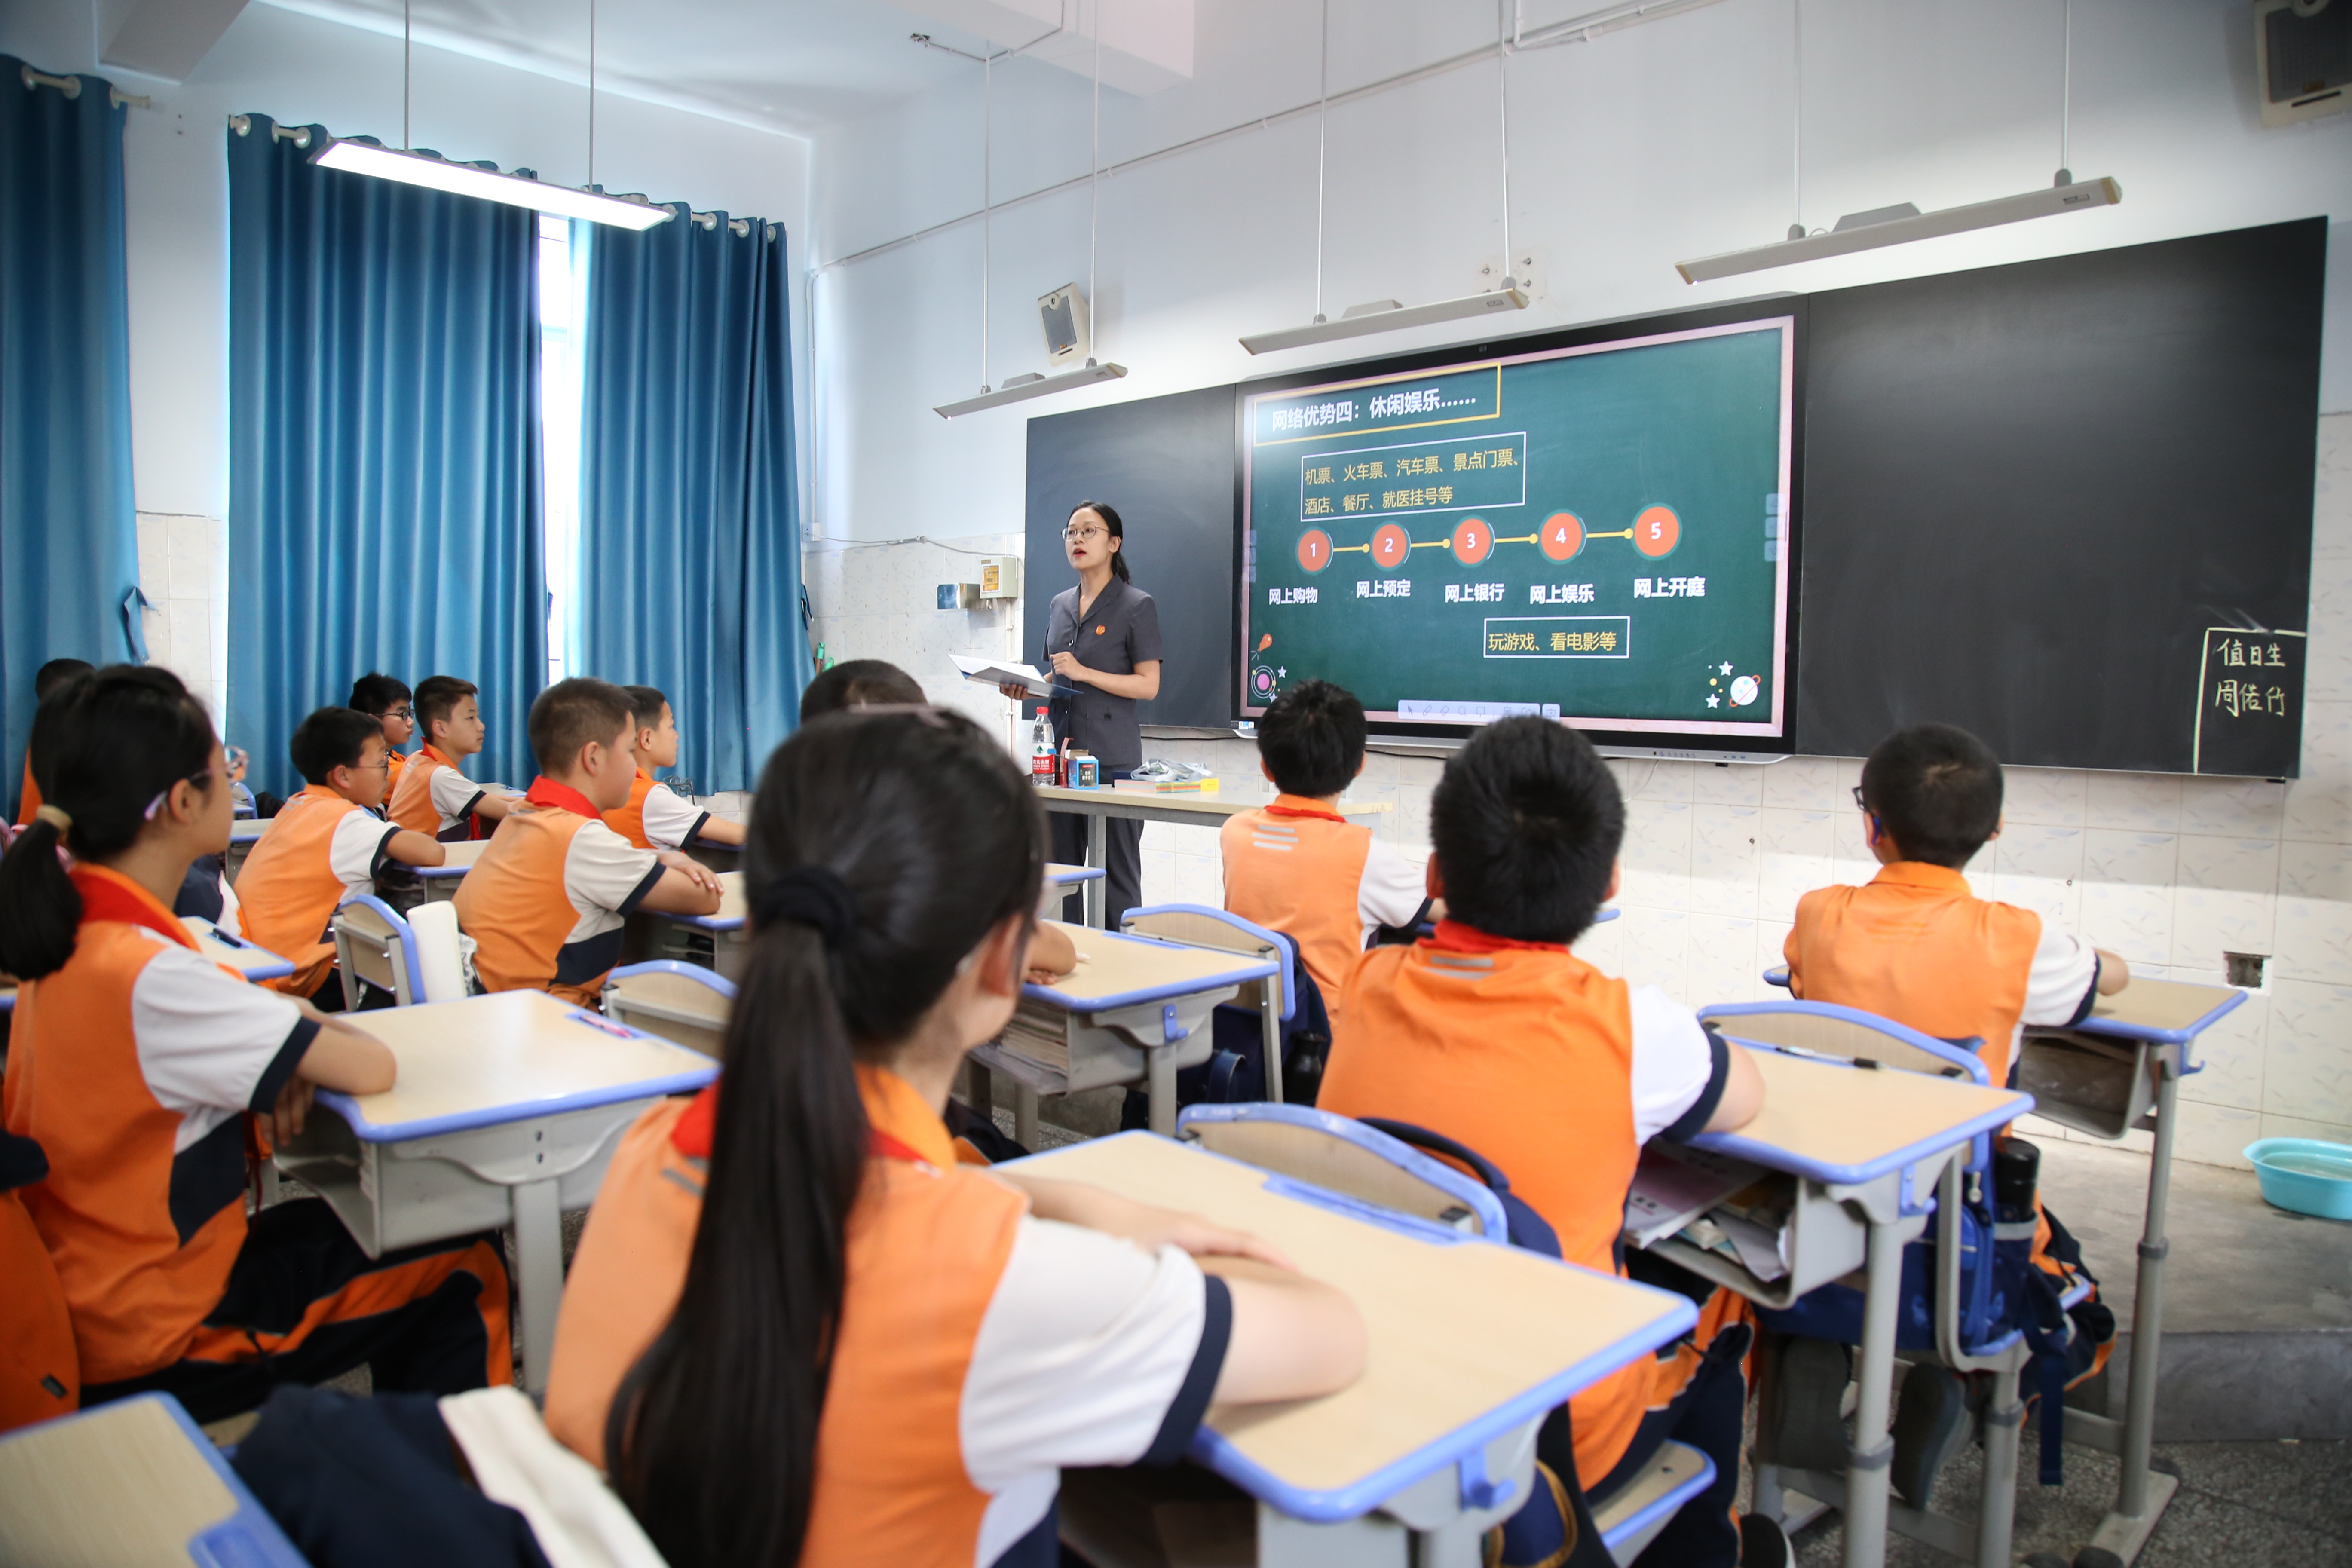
x=1694 y=426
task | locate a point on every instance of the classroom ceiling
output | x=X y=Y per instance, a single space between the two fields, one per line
x=795 y=66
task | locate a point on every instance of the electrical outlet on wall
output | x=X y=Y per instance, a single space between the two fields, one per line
x=1526 y=270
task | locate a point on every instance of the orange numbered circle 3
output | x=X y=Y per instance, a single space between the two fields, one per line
x=1657 y=530
x=1562 y=536
x=1391 y=545
x=1314 y=550
x=1473 y=541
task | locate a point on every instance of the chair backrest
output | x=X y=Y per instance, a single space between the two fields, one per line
x=682 y=1003
x=1847 y=1034
x=375 y=945
x=1198 y=925
x=1344 y=1156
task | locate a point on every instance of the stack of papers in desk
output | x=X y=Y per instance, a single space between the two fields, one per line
x=1711 y=1201
x=1039 y=1033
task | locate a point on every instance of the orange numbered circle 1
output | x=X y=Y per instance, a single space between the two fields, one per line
x=1657 y=530
x=1473 y=541
x=1314 y=550
x=1391 y=545
x=1562 y=536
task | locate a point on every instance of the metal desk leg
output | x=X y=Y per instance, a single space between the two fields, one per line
x=1025 y=1115
x=2127 y=1526
x=1997 y=1522
x=539 y=1276
x=1098 y=897
x=980 y=1088
x=1873 y=1449
x=1270 y=1013
x=1161 y=1063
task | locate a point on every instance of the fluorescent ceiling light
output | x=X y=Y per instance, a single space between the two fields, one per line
x=465 y=180
x=1031 y=385
x=1901 y=225
x=1387 y=316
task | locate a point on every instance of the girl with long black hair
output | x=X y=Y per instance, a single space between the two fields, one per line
x=795 y=1330
x=135 y=1063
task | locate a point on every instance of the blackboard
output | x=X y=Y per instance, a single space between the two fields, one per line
x=1167 y=464
x=2030 y=490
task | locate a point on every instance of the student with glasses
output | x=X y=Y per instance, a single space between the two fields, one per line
x=387 y=699
x=1102 y=638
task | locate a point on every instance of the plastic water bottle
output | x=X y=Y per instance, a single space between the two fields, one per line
x=1041 y=751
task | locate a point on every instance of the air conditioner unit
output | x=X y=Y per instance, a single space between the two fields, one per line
x=2303 y=58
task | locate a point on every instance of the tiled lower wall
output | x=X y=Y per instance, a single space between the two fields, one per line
x=183 y=572
x=2171 y=872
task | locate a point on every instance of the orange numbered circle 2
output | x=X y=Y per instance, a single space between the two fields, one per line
x=1473 y=541
x=1657 y=530
x=1562 y=536
x=1314 y=550
x=1391 y=545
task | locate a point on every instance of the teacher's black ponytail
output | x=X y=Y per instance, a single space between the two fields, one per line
x=1109 y=514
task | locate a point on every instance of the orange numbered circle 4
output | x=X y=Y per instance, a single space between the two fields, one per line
x=1473 y=541
x=1657 y=530
x=1562 y=536
x=1314 y=550
x=1391 y=545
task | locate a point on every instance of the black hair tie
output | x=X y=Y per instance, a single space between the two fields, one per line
x=811 y=896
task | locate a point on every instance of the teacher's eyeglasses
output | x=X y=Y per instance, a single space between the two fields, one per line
x=1075 y=535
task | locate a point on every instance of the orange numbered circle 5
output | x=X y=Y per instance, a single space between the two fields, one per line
x=1391 y=545
x=1657 y=530
x=1314 y=550
x=1562 y=536
x=1473 y=541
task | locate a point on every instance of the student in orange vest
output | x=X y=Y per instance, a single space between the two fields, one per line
x=1297 y=866
x=323 y=846
x=930 y=1344
x=434 y=796
x=387 y=699
x=1915 y=945
x=135 y=1065
x=46 y=680
x=546 y=901
x=1492 y=1033
x=656 y=817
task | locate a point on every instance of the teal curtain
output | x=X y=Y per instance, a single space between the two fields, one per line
x=68 y=538
x=690 y=512
x=385 y=447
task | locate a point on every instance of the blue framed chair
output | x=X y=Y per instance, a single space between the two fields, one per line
x=682 y=1003
x=1277 y=1002
x=413 y=957
x=1393 y=1166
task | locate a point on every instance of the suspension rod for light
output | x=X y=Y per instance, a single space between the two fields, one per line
x=489 y=185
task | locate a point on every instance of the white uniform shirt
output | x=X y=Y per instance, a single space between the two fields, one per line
x=604 y=877
x=1393 y=888
x=454 y=795
x=210 y=1045
x=670 y=818
x=1679 y=1068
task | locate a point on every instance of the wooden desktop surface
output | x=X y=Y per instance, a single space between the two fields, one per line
x=1216 y=807
x=2160 y=1003
x=1832 y=1114
x=120 y=1484
x=1456 y=1331
x=1058 y=875
x=510 y=1048
x=459 y=857
x=1110 y=964
x=244 y=959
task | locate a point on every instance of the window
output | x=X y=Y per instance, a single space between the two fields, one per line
x=563 y=247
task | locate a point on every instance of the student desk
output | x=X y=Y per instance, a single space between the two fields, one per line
x=717 y=857
x=1187 y=808
x=1059 y=879
x=256 y=964
x=440 y=882
x=1866 y=1146
x=507 y=1112
x=1136 y=1010
x=2118 y=1069
x=135 y=1481
x=1471 y=1344
x=243 y=835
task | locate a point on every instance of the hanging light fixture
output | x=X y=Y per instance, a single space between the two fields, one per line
x=430 y=170
x=1019 y=388
x=1387 y=315
x=1904 y=223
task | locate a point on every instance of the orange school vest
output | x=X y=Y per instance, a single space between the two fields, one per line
x=1298 y=868
x=29 y=800
x=397 y=763
x=40 y=1374
x=513 y=902
x=1914 y=945
x=411 y=801
x=629 y=821
x=927 y=1242
x=288 y=891
x=1524 y=1053
x=142 y=1240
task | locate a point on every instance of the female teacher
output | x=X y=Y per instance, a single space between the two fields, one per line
x=1103 y=638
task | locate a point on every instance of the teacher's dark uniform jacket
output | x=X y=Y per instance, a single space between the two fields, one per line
x=1119 y=630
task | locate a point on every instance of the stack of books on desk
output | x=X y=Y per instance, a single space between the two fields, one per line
x=1039 y=1033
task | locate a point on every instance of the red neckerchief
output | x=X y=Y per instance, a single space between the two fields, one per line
x=1305 y=811
x=545 y=791
x=111 y=896
x=436 y=753
x=692 y=1135
x=1455 y=937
